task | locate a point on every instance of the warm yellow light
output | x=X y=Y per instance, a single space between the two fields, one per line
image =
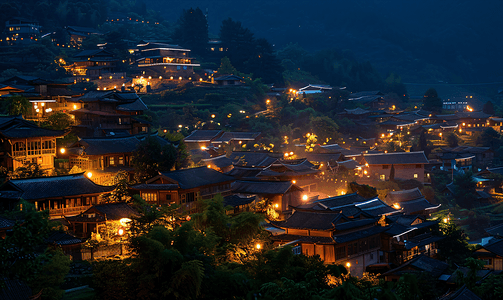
x=42 y=104
x=213 y=116
x=276 y=205
x=180 y=78
x=446 y=220
x=203 y=148
x=396 y=206
x=200 y=79
x=258 y=246
x=308 y=135
x=294 y=181
x=75 y=106
x=382 y=135
x=304 y=197
x=120 y=231
x=268 y=101
x=321 y=165
x=286 y=154
x=125 y=221
x=464 y=124
x=348 y=264
x=208 y=166
x=440 y=134
x=180 y=126
x=291 y=152
x=62 y=150
x=365 y=172
x=89 y=174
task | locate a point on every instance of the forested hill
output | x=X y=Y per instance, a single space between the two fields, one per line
x=423 y=41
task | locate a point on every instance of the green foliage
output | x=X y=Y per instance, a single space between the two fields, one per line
x=121 y=192
x=226 y=67
x=28 y=170
x=452 y=140
x=192 y=31
x=490 y=138
x=364 y=190
x=325 y=128
x=150 y=158
x=491 y=288
x=19 y=105
x=59 y=121
x=454 y=246
x=431 y=101
x=52 y=274
x=465 y=189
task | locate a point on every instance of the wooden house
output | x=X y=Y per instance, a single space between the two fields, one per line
x=109 y=113
x=20 y=31
x=156 y=58
x=491 y=254
x=421 y=264
x=78 y=34
x=407 y=165
x=229 y=80
x=411 y=201
x=95 y=217
x=185 y=187
x=92 y=64
x=63 y=196
x=23 y=141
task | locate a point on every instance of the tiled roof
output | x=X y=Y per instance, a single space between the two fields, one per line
x=90 y=53
x=244 y=173
x=228 y=77
x=54 y=187
x=396 y=158
x=137 y=105
x=405 y=195
x=462 y=294
x=365 y=93
x=239 y=136
x=354 y=224
x=158 y=187
x=221 y=161
x=252 y=159
x=316 y=220
x=323 y=157
x=13 y=289
x=349 y=164
x=303 y=238
x=114 y=211
x=202 y=135
x=236 y=200
x=368 y=232
x=472 y=114
x=496 y=230
x=6 y=223
x=17 y=127
x=62 y=238
x=342 y=200
x=467 y=149
x=262 y=187
x=108 y=145
x=496 y=247
x=421 y=263
x=196 y=177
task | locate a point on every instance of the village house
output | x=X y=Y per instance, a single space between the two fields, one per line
x=421 y=264
x=185 y=187
x=78 y=34
x=371 y=99
x=23 y=141
x=102 y=158
x=411 y=202
x=225 y=80
x=280 y=194
x=204 y=139
x=491 y=254
x=349 y=236
x=63 y=196
x=20 y=31
x=92 y=64
x=109 y=113
x=406 y=165
x=45 y=96
x=154 y=58
x=94 y=219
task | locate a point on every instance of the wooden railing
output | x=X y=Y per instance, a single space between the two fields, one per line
x=70 y=211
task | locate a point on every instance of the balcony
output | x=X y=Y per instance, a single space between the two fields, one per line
x=70 y=211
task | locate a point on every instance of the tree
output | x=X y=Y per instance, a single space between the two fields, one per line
x=59 y=121
x=465 y=189
x=239 y=41
x=19 y=105
x=431 y=101
x=325 y=128
x=121 y=192
x=364 y=190
x=490 y=138
x=264 y=64
x=488 y=108
x=454 y=246
x=226 y=67
x=192 y=31
x=150 y=158
x=452 y=140
x=28 y=170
